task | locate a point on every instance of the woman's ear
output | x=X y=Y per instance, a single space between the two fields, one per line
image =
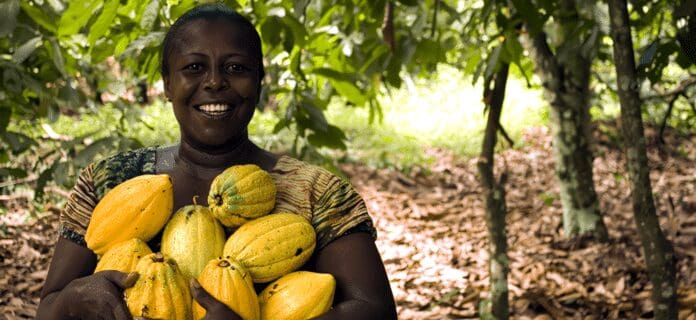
x=167 y=93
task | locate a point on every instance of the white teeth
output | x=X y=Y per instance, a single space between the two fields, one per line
x=214 y=108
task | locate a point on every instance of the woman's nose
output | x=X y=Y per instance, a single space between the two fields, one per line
x=215 y=81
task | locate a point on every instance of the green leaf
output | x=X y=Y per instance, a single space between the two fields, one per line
x=12 y=80
x=18 y=142
x=513 y=48
x=533 y=18
x=102 y=50
x=121 y=44
x=5 y=114
x=16 y=173
x=295 y=57
x=41 y=182
x=280 y=125
x=104 y=21
x=153 y=68
x=343 y=83
x=84 y=157
x=149 y=16
x=648 y=54
x=39 y=16
x=56 y=54
x=411 y=3
x=316 y=116
x=176 y=11
x=69 y=94
x=492 y=63
x=332 y=138
x=331 y=74
x=271 y=31
x=152 y=39
x=8 y=16
x=299 y=33
x=392 y=75
x=429 y=51
x=56 y=5
x=76 y=16
x=378 y=53
x=25 y=50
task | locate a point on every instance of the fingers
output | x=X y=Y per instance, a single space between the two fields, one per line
x=121 y=279
x=121 y=312
x=203 y=297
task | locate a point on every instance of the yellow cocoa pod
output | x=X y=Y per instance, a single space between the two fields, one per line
x=137 y=208
x=161 y=291
x=297 y=295
x=271 y=246
x=123 y=256
x=228 y=282
x=241 y=193
x=192 y=237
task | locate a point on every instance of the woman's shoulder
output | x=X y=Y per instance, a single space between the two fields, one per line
x=293 y=175
x=112 y=170
x=289 y=166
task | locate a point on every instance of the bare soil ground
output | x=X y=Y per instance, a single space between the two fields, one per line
x=433 y=238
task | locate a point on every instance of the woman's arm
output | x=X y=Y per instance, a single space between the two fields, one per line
x=72 y=291
x=362 y=286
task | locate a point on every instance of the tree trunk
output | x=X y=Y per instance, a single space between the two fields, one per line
x=494 y=193
x=565 y=77
x=658 y=252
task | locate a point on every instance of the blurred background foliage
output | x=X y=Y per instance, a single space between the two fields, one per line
x=347 y=80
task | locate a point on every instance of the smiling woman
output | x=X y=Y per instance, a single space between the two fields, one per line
x=213 y=82
x=212 y=70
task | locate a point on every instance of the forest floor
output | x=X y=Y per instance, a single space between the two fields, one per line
x=433 y=238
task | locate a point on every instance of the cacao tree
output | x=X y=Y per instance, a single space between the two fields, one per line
x=657 y=250
x=59 y=57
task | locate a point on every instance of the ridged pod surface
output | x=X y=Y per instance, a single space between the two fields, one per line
x=228 y=282
x=192 y=237
x=271 y=246
x=123 y=256
x=241 y=193
x=137 y=208
x=161 y=291
x=297 y=295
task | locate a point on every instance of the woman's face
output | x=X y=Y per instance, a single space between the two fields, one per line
x=213 y=83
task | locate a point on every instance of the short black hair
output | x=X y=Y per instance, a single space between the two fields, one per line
x=210 y=12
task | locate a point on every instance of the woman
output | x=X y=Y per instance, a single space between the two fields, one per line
x=212 y=70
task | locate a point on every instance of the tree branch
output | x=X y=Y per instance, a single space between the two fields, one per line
x=546 y=62
x=609 y=86
x=680 y=89
x=505 y=134
x=434 y=25
x=668 y=114
x=388 y=26
x=28 y=179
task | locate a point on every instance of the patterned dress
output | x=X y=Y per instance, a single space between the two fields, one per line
x=328 y=202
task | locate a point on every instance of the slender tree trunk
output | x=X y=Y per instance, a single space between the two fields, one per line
x=658 y=252
x=494 y=193
x=565 y=77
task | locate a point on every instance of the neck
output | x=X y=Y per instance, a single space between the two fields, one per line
x=211 y=161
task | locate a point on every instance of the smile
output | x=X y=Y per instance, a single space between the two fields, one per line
x=214 y=110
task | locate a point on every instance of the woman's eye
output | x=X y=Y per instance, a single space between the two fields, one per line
x=234 y=68
x=194 y=67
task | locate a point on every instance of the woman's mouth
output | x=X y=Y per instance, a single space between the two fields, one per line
x=214 y=111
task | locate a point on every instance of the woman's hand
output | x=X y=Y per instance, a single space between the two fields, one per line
x=98 y=296
x=214 y=309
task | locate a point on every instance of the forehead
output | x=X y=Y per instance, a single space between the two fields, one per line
x=214 y=34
